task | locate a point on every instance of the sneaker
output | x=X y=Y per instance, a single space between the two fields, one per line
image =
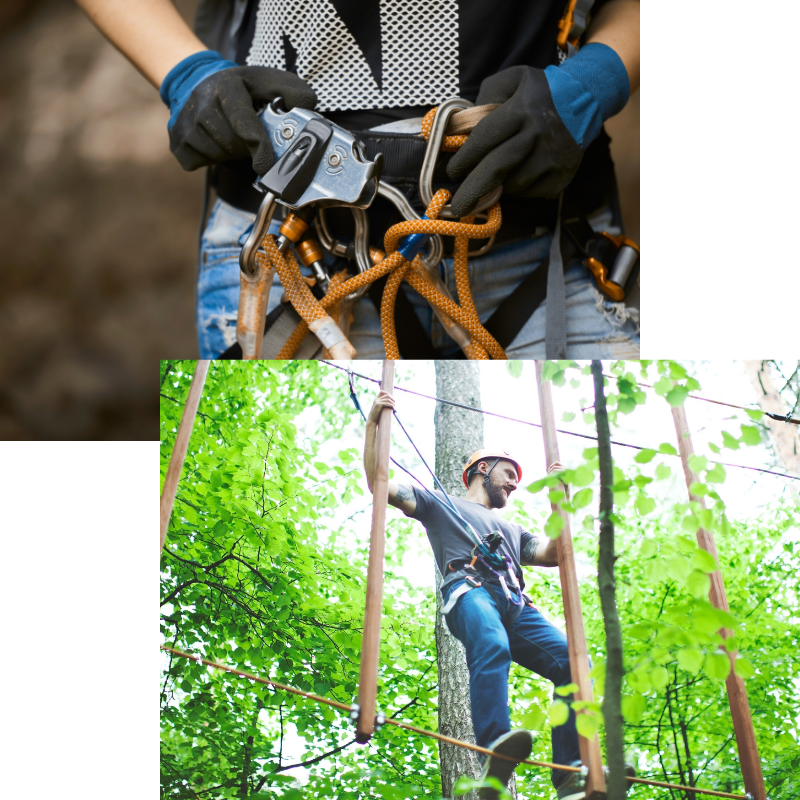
x=574 y=787
x=515 y=744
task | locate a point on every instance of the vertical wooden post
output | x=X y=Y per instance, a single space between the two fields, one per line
x=371 y=642
x=179 y=448
x=576 y=636
x=737 y=694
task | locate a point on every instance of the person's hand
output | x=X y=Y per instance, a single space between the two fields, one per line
x=383 y=400
x=556 y=466
x=534 y=141
x=213 y=105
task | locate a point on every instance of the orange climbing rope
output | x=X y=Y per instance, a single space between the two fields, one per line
x=468 y=745
x=482 y=345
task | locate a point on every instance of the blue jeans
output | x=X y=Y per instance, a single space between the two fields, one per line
x=531 y=641
x=596 y=328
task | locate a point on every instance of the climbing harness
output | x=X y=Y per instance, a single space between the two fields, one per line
x=320 y=165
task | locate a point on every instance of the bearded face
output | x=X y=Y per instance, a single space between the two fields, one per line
x=502 y=481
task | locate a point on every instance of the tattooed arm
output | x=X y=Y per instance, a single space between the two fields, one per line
x=535 y=553
x=400 y=495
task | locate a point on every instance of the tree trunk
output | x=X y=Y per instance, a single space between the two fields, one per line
x=617 y=784
x=785 y=437
x=459 y=434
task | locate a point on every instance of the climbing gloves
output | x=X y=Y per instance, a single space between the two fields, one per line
x=534 y=141
x=212 y=106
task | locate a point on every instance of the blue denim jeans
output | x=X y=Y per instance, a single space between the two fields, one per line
x=596 y=328
x=531 y=641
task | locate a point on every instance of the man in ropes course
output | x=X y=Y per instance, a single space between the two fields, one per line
x=555 y=69
x=483 y=602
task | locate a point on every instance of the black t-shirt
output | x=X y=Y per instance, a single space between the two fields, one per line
x=450 y=540
x=374 y=61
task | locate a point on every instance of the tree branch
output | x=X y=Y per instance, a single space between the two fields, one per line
x=304 y=763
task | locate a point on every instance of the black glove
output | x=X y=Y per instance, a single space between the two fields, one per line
x=523 y=144
x=218 y=121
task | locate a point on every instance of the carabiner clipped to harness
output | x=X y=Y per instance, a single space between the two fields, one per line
x=611 y=259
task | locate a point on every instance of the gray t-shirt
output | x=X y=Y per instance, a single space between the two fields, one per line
x=448 y=537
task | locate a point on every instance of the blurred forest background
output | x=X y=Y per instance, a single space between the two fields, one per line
x=98 y=229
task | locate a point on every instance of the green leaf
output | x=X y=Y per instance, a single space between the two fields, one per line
x=533 y=719
x=716 y=474
x=677 y=568
x=554 y=525
x=677 y=396
x=667 y=449
x=563 y=691
x=703 y=560
x=641 y=630
x=750 y=435
x=731 y=442
x=659 y=678
x=645 y=456
x=587 y=725
x=558 y=713
x=644 y=505
x=633 y=707
x=718 y=665
x=690 y=659
x=514 y=368
x=697 y=463
x=582 y=476
x=743 y=668
x=690 y=524
x=568 y=416
x=754 y=413
x=663 y=472
x=649 y=548
x=698 y=583
x=582 y=498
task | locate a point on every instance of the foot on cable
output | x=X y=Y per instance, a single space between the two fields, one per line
x=574 y=787
x=514 y=744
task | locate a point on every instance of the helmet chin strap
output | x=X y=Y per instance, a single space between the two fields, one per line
x=486 y=476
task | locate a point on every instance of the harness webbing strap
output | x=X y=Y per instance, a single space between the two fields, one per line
x=555 y=337
x=511 y=315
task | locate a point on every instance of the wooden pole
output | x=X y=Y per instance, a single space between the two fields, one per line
x=371 y=642
x=181 y=444
x=576 y=636
x=737 y=694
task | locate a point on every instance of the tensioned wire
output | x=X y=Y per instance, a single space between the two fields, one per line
x=468 y=745
x=566 y=432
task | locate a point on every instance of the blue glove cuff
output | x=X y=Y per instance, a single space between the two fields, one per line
x=184 y=76
x=587 y=89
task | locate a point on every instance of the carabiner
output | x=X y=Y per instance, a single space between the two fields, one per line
x=611 y=281
x=440 y=120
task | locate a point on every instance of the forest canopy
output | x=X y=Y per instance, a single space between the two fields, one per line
x=264 y=564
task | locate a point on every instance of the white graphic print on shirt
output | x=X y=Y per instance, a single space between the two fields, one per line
x=419 y=52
